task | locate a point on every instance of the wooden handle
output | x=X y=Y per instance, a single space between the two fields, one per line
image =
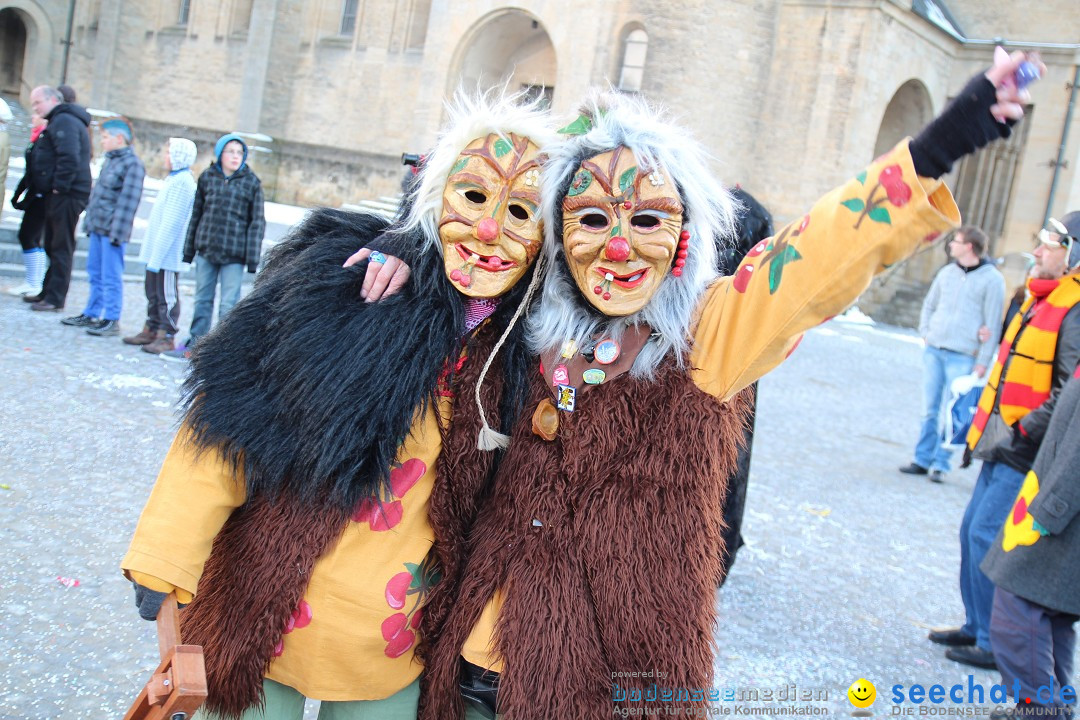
x=168 y=625
x=178 y=687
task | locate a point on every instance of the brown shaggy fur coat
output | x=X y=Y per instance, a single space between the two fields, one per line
x=246 y=592
x=606 y=544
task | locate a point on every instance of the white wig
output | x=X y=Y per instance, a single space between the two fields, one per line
x=472 y=116
x=708 y=213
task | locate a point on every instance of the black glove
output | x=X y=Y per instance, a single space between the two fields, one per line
x=1020 y=440
x=966 y=462
x=18 y=203
x=189 y=258
x=148 y=601
x=115 y=242
x=963 y=127
x=252 y=268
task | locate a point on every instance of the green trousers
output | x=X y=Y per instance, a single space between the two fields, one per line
x=473 y=714
x=285 y=703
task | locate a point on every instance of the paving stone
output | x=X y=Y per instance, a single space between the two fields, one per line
x=848 y=562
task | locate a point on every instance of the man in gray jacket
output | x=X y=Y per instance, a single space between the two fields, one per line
x=967 y=295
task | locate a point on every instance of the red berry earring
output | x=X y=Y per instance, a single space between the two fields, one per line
x=680 y=258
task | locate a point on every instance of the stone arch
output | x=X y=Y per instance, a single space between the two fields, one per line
x=508 y=46
x=907 y=112
x=31 y=65
x=12 y=50
x=896 y=297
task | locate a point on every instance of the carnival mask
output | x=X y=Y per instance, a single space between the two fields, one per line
x=621 y=225
x=490 y=227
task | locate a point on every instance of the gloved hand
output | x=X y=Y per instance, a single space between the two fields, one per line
x=115 y=242
x=148 y=601
x=189 y=259
x=962 y=128
x=252 y=268
x=966 y=462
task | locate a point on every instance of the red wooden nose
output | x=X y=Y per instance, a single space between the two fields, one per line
x=617 y=249
x=487 y=230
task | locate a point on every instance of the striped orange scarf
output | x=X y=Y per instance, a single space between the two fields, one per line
x=1031 y=368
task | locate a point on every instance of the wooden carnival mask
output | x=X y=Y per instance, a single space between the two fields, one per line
x=490 y=226
x=621 y=231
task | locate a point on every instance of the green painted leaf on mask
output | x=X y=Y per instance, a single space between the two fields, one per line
x=459 y=165
x=854 y=204
x=502 y=147
x=626 y=180
x=861 y=177
x=582 y=180
x=580 y=126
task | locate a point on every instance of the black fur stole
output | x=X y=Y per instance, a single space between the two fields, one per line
x=308 y=390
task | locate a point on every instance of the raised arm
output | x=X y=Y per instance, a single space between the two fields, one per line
x=818 y=265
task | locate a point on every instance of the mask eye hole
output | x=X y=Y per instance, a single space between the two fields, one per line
x=594 y=220
x=645 y=222
x=518 y=211
x=475 y=196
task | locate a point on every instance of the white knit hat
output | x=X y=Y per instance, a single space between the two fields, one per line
x=182 y=153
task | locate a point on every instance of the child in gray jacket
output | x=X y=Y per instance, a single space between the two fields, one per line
x=163 y=247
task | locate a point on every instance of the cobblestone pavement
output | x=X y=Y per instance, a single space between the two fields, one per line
x=848 y=562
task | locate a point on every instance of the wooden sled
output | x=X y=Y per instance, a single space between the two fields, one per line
x=178 y=686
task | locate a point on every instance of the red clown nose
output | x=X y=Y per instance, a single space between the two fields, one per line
x=487 y=230
x=617 y=249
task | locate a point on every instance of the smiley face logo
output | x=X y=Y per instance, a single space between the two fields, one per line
x=862 y=693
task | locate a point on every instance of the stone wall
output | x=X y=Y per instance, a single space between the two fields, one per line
x=789 y=96
x=291 y=173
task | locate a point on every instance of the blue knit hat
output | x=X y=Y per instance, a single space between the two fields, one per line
x=224 y=140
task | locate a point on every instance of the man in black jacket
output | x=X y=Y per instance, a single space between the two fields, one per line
x=59 y=171
x=1038 y=354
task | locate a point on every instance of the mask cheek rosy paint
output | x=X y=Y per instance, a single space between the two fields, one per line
x=490 y=228
x=621 y=231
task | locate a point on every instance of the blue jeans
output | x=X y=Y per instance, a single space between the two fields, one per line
x=105 y=269
x=940 y=368
x=207 y=276
x=993 y=498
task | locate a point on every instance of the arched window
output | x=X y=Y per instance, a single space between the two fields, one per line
x=635 y=47
x=241 y=16
x=185 y=12
x=349 y=11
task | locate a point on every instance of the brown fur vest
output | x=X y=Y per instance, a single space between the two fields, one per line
x=607 y=545
x=262 y=559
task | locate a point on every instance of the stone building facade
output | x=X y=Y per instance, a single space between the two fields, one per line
x=790 y=96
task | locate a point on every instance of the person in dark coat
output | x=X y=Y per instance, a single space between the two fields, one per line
x=753 y=224
x=1035 y=566
x=59 y=171
x=1038 y=354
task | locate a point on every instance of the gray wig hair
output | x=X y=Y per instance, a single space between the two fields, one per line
x=708 y=213
x=469 y=117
